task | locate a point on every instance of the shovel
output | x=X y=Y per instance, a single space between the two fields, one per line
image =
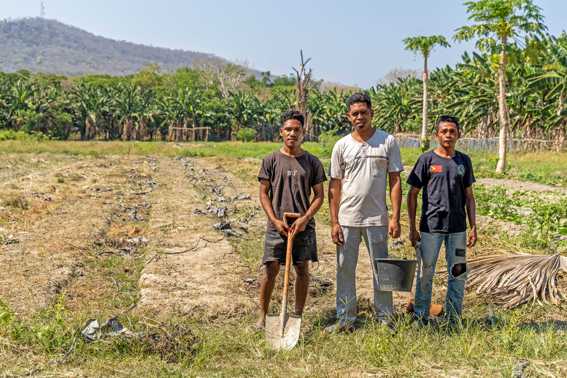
x=282 y=332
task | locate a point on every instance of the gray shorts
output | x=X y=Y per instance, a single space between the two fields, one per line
x=304 y=247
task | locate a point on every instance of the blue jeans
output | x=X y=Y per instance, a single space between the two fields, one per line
x=376 y=240
x=427 y=254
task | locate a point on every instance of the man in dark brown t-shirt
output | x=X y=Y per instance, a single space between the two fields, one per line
x=287 y=178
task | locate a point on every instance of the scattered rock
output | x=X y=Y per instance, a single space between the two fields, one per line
x=91 y=330
x=8 y=240
x=138 y=241
x=111 y=328
x=219 y=212
x=227 y=229
x=218 y=190
x=320 y=286
x=519 y=368
x=242 y=197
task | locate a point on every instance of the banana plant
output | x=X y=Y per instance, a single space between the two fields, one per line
x=425 y=45
x=497 y=24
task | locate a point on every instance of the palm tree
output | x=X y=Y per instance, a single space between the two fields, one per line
x=424 y=45
x=498 y=24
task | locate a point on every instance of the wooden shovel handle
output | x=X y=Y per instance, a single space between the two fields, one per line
x=288 y=258
x=289 y=218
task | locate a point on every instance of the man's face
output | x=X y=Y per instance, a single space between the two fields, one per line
x=292 y=133
x=447 y=134
x=360 y=116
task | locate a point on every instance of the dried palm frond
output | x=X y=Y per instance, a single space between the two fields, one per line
x=512 y=280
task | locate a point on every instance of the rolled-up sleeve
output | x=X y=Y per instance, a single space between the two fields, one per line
x=265 y=172
x=394 y=156
x=418 y=175
x=337 y=170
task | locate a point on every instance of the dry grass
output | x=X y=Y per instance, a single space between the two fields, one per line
x=130 y=197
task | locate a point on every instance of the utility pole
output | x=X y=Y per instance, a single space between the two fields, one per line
x=42 y=11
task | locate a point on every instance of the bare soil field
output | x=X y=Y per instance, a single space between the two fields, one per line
x=49 y=216
x=173 y=245
x=523 y=185
x=192 y=267
x=53 y=214
x=56 y=211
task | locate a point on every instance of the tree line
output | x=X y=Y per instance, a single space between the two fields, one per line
x=514 y=83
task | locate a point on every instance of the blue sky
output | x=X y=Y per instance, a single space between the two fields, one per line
x=351 y=42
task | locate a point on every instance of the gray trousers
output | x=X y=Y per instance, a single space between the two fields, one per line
x=376 y=240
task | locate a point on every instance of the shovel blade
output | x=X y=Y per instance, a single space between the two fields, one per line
x=290 y=335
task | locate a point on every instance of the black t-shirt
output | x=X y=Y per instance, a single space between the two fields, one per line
x=291 y=180
x=444 y=181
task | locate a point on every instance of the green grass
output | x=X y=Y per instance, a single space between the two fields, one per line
x=545 y=221
x=20 y=136
x=543 y=167
x=486 y=344
x=480 y=346
x=473 y=348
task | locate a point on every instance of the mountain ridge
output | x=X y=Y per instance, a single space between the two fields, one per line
x=50 y=46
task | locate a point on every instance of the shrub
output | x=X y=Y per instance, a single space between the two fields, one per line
x=21 y=136
x=246 y=135
x=327 y=140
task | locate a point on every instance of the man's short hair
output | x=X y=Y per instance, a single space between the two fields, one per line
x=450 y=119
x=293 y=114
x=357 y=98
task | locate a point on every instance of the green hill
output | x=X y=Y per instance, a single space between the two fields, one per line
x=42 y=45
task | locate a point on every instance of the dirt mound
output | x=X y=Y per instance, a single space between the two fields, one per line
x=516 y=185
x=192 y=268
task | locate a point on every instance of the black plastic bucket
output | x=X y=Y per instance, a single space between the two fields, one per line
x=395 y=274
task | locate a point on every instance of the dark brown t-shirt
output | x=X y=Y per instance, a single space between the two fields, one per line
x=291 y=180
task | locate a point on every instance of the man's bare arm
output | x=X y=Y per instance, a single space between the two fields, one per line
x=412 y=211
x=471 y=214
x=396 y=199
x=335 y=187
x=316 y=202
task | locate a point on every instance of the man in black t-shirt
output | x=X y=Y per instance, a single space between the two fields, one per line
x=288 y=178
x=446 y=176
